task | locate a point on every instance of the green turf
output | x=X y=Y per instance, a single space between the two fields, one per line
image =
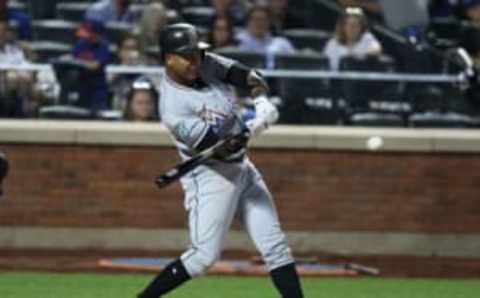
x=76 y=285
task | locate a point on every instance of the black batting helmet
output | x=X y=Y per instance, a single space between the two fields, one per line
x=181 y=38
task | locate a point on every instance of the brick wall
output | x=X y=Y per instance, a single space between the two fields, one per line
x=103 y=186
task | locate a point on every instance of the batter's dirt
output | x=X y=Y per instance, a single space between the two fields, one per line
x=87 y=261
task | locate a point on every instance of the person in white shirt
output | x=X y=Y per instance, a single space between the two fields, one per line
x=10 y=53
x=351 y=38
x=258 y=38
x=15 y=85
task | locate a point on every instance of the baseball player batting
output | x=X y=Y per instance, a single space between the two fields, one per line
x=198 y=105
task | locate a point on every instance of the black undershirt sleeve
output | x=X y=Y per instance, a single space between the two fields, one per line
x=237 y=76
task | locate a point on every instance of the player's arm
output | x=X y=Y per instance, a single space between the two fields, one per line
x=231 y=149
x=235 y=73
x=246 y=78
x=196 y=135
x=266 y=114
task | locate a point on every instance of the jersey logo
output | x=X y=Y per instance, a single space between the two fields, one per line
x=212 y=117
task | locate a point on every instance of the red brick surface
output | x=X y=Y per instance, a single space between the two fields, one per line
x=87 y=186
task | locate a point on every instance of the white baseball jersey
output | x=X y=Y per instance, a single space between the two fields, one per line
x=219 y=190
x=189 y=112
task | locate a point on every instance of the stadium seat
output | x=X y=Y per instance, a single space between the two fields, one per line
x=110 y=115
x=153 y=53
x=359 y=93
x=68 y=76
x=64 y=112
x=72 y=11
x=48 y=50
x=303 y=61
x=427 y=98
x=199 y=16
x=78 y=1
x=476 y=121
x=308 y=38
x=444 y=28
x=18 y=6
x=376 y=119
x=252 y=59
x=441 y=120
x=320 y=16
x=178 y=4
x=115 y=32
x=55 y=30
x=305 y=101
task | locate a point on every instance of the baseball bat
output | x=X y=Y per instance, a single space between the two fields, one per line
x=186 y=166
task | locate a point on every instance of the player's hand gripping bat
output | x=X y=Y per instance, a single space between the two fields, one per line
x=185 y=167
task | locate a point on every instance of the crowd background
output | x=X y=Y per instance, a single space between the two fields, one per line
x=79 y=39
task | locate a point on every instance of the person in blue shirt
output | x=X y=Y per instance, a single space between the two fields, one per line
x=92 y=51
x=112 y=11
x=258 y=37
x=20 y=20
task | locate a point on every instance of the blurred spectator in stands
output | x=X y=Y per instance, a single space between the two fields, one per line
x=3 y=170
x=472 y=12
x=281 y=17
x=221 y=34
x=234 y=10
x=92 y=51
x=154 y=18
x=178 y=5
x=40 y=10
x=142 y=101
x=371 y=7
x=351 y=38
x=129 y=54
x=20 y=20
x=470 y=37
x=258 y=37
x=111 y=11
x=15 y=85
x=46 y=90
x=471 y=31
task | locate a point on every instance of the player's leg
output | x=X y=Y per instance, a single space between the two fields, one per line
x=260 y=219
x=211 y=199
x=170 y=278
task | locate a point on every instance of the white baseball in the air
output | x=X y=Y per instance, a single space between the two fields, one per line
x=375 y=143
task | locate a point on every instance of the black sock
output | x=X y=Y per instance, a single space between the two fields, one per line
x=287 y=282
x=171 y=277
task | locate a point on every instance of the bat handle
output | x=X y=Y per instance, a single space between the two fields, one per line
x=161 y=182
x=167 y=178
